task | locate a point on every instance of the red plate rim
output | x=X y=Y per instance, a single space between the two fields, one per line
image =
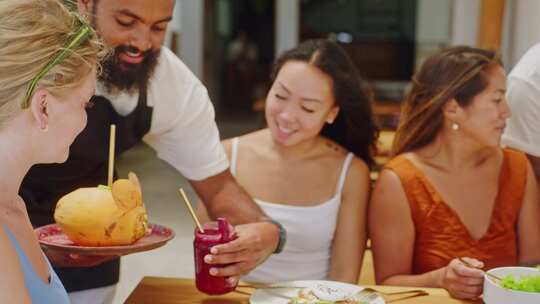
x=165 y=234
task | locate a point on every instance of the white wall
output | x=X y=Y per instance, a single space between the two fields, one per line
x=433 y=21
x=465 y=26
x=465 y=19
x=191 y=40
x=174 y=26
x=507 y=34
x=287 y=23
x=525 y=28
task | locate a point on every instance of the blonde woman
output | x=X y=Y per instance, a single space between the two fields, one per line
x=48 y=59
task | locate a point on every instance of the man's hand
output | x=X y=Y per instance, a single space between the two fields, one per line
x=64 y=259
x=254 y=244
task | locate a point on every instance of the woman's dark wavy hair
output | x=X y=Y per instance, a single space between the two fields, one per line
x=354 y=128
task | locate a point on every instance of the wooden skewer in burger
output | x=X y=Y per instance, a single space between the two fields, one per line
x=111 y=215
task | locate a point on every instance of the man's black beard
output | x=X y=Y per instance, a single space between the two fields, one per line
x=120 y=76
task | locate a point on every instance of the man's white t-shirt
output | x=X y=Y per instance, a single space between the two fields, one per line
x=523 y=94
x=183 y=130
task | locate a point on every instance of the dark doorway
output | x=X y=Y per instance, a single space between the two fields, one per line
x=239 y=50
x=378 y=34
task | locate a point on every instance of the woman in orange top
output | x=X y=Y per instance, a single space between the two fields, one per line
x=452 y=192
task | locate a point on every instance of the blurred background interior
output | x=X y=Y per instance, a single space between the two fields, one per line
x=230 y=46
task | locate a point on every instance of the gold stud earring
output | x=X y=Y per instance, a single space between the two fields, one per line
x=45 y=129
x=455 y=126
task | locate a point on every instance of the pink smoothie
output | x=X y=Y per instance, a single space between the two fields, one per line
x=214 y=233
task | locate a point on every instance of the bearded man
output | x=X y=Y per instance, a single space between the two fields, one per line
x=151 y=96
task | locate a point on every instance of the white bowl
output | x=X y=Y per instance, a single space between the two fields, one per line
x=494 y=294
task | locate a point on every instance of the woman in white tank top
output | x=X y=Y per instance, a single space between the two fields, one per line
x=309 y=169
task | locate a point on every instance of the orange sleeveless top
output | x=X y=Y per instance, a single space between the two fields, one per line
x=440 y=236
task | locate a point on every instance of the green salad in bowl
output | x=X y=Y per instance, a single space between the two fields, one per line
x=528 y=283
x=517 y=285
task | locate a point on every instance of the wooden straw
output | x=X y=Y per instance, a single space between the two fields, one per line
x=190 y=208
x=111 y=155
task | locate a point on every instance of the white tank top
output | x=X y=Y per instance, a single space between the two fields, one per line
x=310 y=231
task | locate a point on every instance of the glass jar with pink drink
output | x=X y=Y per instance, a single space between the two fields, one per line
x=215 y=233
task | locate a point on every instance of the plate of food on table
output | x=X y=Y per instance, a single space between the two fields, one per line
x=314 y=292
x=103 y=221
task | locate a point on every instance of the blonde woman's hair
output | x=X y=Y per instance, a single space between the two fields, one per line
x=32 y=32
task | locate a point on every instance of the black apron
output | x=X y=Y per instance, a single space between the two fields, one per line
x=85 y=167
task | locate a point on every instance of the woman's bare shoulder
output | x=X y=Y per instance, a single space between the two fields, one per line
x=333 y=148
x=358 y=169
x=249 y=139
x=9 y=254
x=358 y=178
x=12 y=286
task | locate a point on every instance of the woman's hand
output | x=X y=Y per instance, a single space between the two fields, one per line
x=462 y=281
x=64 y=259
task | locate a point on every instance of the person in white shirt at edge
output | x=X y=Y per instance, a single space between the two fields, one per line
x=523 y=94
x=309 y=168
x=151 y=96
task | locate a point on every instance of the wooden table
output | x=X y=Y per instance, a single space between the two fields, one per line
x=155 y=290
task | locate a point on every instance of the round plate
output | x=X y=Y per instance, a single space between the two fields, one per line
x=52 y=236
x=281 y=296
